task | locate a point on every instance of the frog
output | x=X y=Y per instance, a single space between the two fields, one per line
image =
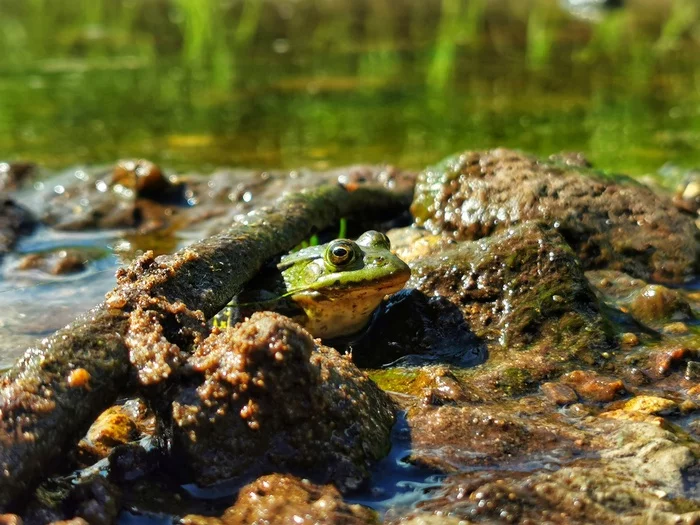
x=332 y=290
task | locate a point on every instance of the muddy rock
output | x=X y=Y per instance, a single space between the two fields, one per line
x=13 y=174
x=468 y=436
x=265 y=397
x=134 y=194
x=518 y=300
x=609 y=220
x=279 y=500
x=636 y=477
x=651 y=305
x=15 y=221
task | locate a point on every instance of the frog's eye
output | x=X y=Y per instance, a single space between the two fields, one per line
x=340 y=252
x=374 y=238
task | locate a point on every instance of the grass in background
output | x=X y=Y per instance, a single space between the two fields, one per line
x=194 y=83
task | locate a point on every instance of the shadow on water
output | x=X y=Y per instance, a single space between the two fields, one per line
x=416 y=330
x=395 y=482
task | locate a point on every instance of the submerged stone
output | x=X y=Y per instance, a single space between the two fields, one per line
x=610 y=221
x=265 y=397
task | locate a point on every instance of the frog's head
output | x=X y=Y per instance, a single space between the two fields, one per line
x=341 y=283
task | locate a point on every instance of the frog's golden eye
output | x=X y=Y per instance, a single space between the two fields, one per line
x=340 y=252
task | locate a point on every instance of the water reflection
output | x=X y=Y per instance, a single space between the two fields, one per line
x=287 y=83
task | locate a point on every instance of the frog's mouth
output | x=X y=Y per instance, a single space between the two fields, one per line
x=385 y=285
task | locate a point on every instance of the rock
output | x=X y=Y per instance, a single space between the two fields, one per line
x=15 y=221
x=142 y=177
x=656 y=304
x=591 y=386
x=13 y=174
x=636 y=477
x=118 y=425
x=454 y=438
x=660 y=361
x=519 y=297
x=678 y=328
x=692 y=371
x=629 y=339
x=266 y=398
x=280 y=500
x=60 y=262
x=650 y=405
x=609 y=220
x=685 y=184
x=650 y=305
x=92 y=500
x=135 y=194
x=559 y=393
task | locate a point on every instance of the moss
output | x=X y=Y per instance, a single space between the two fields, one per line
x=515 y=381
x=401 y=380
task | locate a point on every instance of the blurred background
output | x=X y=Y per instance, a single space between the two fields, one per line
x=194 y=84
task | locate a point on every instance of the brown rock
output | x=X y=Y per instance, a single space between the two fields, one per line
x=593 y=387
x=267 y=398
x=559 y=393
x=282 y=500
x=609 y=220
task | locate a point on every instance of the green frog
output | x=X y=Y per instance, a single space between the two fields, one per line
x=332 y=289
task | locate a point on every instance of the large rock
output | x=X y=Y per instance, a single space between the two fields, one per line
x=267 y=398
x=519 y=298
x=610 y=221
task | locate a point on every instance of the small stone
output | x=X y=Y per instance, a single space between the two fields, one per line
x=692 y=371
x=559 y=393
x=593 y=387
x=687 y=406
x=660 y=363
x=637 y=417
x=678 y=328
x=649 y=405
x=692 y=190
x=694 y=392
x=655 y=303
x=629 y=339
